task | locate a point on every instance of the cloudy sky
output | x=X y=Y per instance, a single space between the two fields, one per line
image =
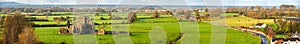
x=163 y=2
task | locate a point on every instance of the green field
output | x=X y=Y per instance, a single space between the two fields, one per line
x=246 y=21
x=141 y=28
x=231 y=14
x=140 y=31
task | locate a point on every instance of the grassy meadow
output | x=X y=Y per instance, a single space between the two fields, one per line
x=141 y=27
x=140 y=33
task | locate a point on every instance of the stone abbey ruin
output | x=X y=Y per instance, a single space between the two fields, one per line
x=82 y=25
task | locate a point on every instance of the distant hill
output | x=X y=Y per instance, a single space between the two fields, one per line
x=11 y=3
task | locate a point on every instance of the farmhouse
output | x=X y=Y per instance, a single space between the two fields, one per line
x=260 y=25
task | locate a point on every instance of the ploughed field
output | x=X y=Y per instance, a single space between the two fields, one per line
x=140 y=31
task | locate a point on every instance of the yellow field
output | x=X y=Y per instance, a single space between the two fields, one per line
x=246 y=21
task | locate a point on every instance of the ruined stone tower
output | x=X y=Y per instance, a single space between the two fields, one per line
x=83 y=25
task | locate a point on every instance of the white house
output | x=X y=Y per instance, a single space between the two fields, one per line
x=260 y=25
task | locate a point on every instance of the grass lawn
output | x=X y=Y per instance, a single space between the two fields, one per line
x=140 y=30
x=140 y=33
x=231 y=14
x=281 y=36
x=62 y=12
x=3 y=14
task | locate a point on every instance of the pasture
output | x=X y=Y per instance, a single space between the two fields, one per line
x=141 y=27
